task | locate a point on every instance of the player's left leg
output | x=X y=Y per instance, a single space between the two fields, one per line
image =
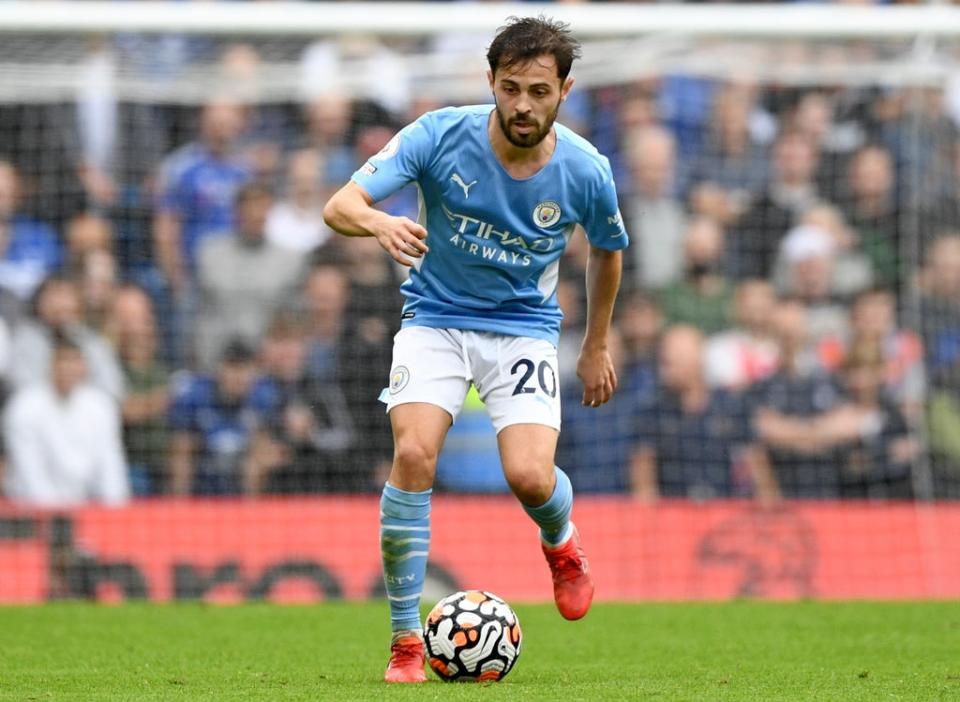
x=527 y=453
x=517 y=379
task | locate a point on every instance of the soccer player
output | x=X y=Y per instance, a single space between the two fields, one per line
x=502 y=188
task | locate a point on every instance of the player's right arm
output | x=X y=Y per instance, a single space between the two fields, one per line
x=351 y=212
x=405 y=159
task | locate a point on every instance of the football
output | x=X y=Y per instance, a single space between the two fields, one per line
x=473 y=636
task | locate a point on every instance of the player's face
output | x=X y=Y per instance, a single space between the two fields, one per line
x=528 y=97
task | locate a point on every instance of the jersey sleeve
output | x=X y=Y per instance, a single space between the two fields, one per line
x=602 y=221
x=403 y=160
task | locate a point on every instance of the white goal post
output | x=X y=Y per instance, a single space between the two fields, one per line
x=417 y=19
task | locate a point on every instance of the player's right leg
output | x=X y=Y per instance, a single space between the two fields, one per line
x=418 y=431
x=427 y=385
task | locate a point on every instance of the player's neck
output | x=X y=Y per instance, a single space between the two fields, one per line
x=519 y=161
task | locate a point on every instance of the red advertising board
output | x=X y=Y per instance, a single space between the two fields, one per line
x=315 y=548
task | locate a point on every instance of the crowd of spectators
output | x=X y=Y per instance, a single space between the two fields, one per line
x=176 y=319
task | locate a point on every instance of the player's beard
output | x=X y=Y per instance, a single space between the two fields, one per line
x=534 y=136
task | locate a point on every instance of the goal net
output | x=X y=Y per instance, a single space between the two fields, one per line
x=191 y=361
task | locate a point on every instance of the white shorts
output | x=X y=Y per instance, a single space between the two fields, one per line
x=516 y=376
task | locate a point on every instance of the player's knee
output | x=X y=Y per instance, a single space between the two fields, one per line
x=532 y=488
x=414 y=457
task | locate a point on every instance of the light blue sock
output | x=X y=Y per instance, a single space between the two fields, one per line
x=553 y=516
x=404 y=544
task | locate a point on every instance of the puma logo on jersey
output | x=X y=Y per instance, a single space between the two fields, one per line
x=466 y=186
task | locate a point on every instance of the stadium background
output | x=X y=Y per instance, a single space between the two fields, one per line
x=791 y=195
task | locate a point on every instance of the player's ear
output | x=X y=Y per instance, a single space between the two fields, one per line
x=565 y=88
x=490 y=78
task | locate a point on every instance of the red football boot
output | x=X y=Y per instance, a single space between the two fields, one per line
x=406 y=661
x=572 y=584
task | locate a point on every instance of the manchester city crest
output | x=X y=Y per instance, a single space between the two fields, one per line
x=546 y=214
x=399 y=377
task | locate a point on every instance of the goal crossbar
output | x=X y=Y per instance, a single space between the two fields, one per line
x=417 y=19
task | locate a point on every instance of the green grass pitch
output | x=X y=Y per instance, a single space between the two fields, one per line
x=735 y=651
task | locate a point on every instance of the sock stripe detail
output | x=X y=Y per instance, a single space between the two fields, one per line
x=404 y=557
x=395 y=527
x=392 y=598
x=393 y=541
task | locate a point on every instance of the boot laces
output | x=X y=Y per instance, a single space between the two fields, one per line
x=567 y=566
x=405 y=654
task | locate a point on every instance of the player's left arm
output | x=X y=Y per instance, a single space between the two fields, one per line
x=594 y=366
x=604 y=227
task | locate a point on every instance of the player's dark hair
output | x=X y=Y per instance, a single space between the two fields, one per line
x=523 y=39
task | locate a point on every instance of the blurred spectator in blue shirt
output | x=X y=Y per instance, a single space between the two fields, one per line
x=29 y=250
x=212 y=421
x=684 y=105
x=198 y=185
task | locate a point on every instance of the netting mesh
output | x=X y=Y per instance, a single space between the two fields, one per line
x=788 y=329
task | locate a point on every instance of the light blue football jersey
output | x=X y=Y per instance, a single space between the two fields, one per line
x=495 y=241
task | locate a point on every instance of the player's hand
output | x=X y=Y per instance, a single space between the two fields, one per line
x=595 y=369
x=402 y=238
